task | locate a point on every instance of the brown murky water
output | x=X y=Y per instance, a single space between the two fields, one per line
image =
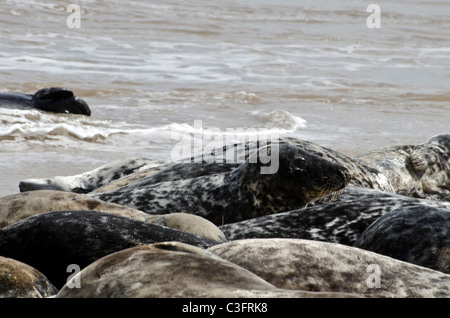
x=148 y=69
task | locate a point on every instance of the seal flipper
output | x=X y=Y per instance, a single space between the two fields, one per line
x=422 y=159
x=60 y=100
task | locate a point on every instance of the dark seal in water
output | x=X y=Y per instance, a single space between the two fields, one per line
x=54 y=99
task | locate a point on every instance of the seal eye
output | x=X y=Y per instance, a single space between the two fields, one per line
x=298 y=165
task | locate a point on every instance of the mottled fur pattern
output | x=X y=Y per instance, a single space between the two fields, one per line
x=19 y=280
x=174 y=270
x=127 y=171
x=91 y=180
x=328 y=267
x=363 y=175
x=49 y=242
x=414 y=234
x=239 y=194
x=342 y=221
x=416 y=170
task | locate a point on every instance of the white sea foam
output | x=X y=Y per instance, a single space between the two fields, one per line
x=280 y=120
x=33 y=124
x=26 y=124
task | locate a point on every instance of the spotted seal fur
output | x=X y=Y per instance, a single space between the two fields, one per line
x=16 y=207
x=121 y=173
x=421 y=170
x=19 y=280
x=242 y=193
x=91 y=180
x=174 y=172
x=363 y=175
x=415 y=170
x=341 y=221
x=414 y=234
x=173 y=270
x=53 y=99
x=50 y=242
x=329 y=267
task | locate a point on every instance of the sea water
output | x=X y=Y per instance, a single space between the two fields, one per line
x=315 y=70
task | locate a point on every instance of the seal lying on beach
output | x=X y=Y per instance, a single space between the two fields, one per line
x=414 y=170
x=173 y=270
x=341 y=221
x=54 y=99
x=363 y=175
x=421 y=170
x=18 y=280
x=91 y=180
x=50 y=242
x=414 y=234
x=329 y=267
x=243 y=193
x=125 y=171
x=16 y=207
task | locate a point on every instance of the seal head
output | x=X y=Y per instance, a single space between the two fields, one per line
x=299 y=175
x=276 y=178
x=60 y=100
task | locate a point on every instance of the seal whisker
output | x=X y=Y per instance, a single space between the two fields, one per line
x=336 y=195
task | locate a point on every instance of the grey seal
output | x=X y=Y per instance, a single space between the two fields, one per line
x=125 y=171
x=414 y=234
x=363 y=174
x=19 y=280
x=88 y=181
x=341 y=221
x=329 y=267
x=51 y=241
x=242 y=193
x=53 y=99
x=421 y=170
x=16 y=207
x=173 y=270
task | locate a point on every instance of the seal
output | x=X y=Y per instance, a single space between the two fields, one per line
x=169 y=172
x=243 y=193
x=51 y=241
x=329 y=267
x=414 y=234
x=341 y=221
x=123 y=172
x=421 y=170
x=189 y=223
x=362 y=175
x=16 y=207
x=173 y=270
x=415 y=170
x=91 y=180
x=53 y=99
x=18 y=280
